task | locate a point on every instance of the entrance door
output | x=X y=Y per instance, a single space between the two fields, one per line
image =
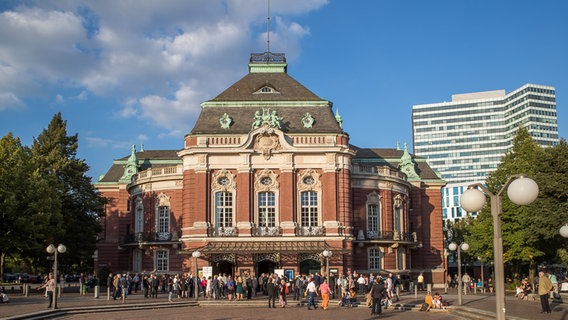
x=265 y=266
x=223 y=267
x=310 y=266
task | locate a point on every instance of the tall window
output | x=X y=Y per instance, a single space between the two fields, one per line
x=139 y=218
x=400 y=259
x=162 y=263
x=398 y=220
x=163 y=219
x=373 y=222
x=224 y=209
x=309 y=208
x=375 y=259
x=137 y=260
x=266 y=209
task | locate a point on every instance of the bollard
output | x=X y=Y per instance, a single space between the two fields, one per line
x=415 y=291
x=429 y=286
x=446 y=288
x=108 y=293
x=97 y=289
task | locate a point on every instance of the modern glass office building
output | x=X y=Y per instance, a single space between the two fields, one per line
x=465 y=139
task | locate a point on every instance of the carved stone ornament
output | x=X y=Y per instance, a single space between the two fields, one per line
x=266 y=118
x=308 y=120
x=266 y=142
x=223 y=180
x=398 y=201
x=266 y=180
x=225 y=121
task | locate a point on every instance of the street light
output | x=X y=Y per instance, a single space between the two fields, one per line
x=327 y=254
x=564 y=231
x=53 y=250
x=522 y=191
x=196 y=254
x=463 y=247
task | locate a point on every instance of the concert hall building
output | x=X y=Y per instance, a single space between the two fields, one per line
x=267 y=179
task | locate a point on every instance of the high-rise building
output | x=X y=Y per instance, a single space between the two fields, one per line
x=465 y=139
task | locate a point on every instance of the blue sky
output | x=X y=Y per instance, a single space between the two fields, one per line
x=135 y=72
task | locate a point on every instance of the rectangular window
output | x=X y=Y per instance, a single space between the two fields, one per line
x=139 y=223
x=400 y=259
x=373 y=218
x=223 y=209
x=397 y=220
x=266 y=209
x=162 y=260
x=375 y=262
x=309 y=201
x=163 y=219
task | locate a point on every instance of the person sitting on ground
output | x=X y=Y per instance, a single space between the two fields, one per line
x=428 y=302
x=437 y=301
x=352 y=297
x=526 y=288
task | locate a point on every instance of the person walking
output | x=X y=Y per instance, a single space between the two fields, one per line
x=544 y=288
x=312 y=291
x=325 y=291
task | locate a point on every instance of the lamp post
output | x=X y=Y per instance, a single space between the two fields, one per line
x=327 y=254
x=463 y=247
x=564 y=231
x=54 y=250
x=522 y=191
x=196 y=254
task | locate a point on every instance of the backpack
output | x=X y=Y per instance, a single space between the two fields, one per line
x=424 y=307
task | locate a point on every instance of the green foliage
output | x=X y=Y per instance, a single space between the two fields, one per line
x=45 y=198
x=530 y=233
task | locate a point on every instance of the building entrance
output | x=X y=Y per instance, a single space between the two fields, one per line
x=265 y=266
x=310 y=266
x=223 y=267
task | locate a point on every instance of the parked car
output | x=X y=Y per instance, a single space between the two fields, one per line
x=10 y=277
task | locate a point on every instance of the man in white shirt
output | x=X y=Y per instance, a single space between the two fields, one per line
x=312 y=292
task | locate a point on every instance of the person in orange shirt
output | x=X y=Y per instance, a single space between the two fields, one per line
x=325 y=290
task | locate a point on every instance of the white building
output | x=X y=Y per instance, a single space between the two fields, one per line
x=465 y=139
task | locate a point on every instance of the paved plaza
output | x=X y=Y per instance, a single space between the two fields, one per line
x=73 y=306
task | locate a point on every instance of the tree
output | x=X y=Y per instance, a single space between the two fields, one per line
x=552 y=178
x=54 y=155
x=28 y=206
x=521 y=245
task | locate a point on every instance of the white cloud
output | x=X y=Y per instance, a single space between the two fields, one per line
x=9 y=100
x=158 y=60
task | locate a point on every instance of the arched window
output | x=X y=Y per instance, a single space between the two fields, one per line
x=163 y=220
x=309 y=188
x=373 y=215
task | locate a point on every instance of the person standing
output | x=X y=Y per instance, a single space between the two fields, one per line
x=544 y=288
x=49 y=286
x=272 y=292
x=312 y=291
x=325 y=291
x=377 y=293
x=421 y=281
x=109 y=285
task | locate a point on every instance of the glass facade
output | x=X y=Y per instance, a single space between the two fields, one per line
x=465 y=139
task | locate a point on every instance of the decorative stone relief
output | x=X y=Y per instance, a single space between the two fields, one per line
x=266 y=142
x=309 y=256
x=163 y=200
x=266 y=117
x=274 y=257
x=398 y=201
x=223 y=180
x=308 y=120
x=266 y=180
x=230 y=257
x=225 y=121
x=309 y=180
